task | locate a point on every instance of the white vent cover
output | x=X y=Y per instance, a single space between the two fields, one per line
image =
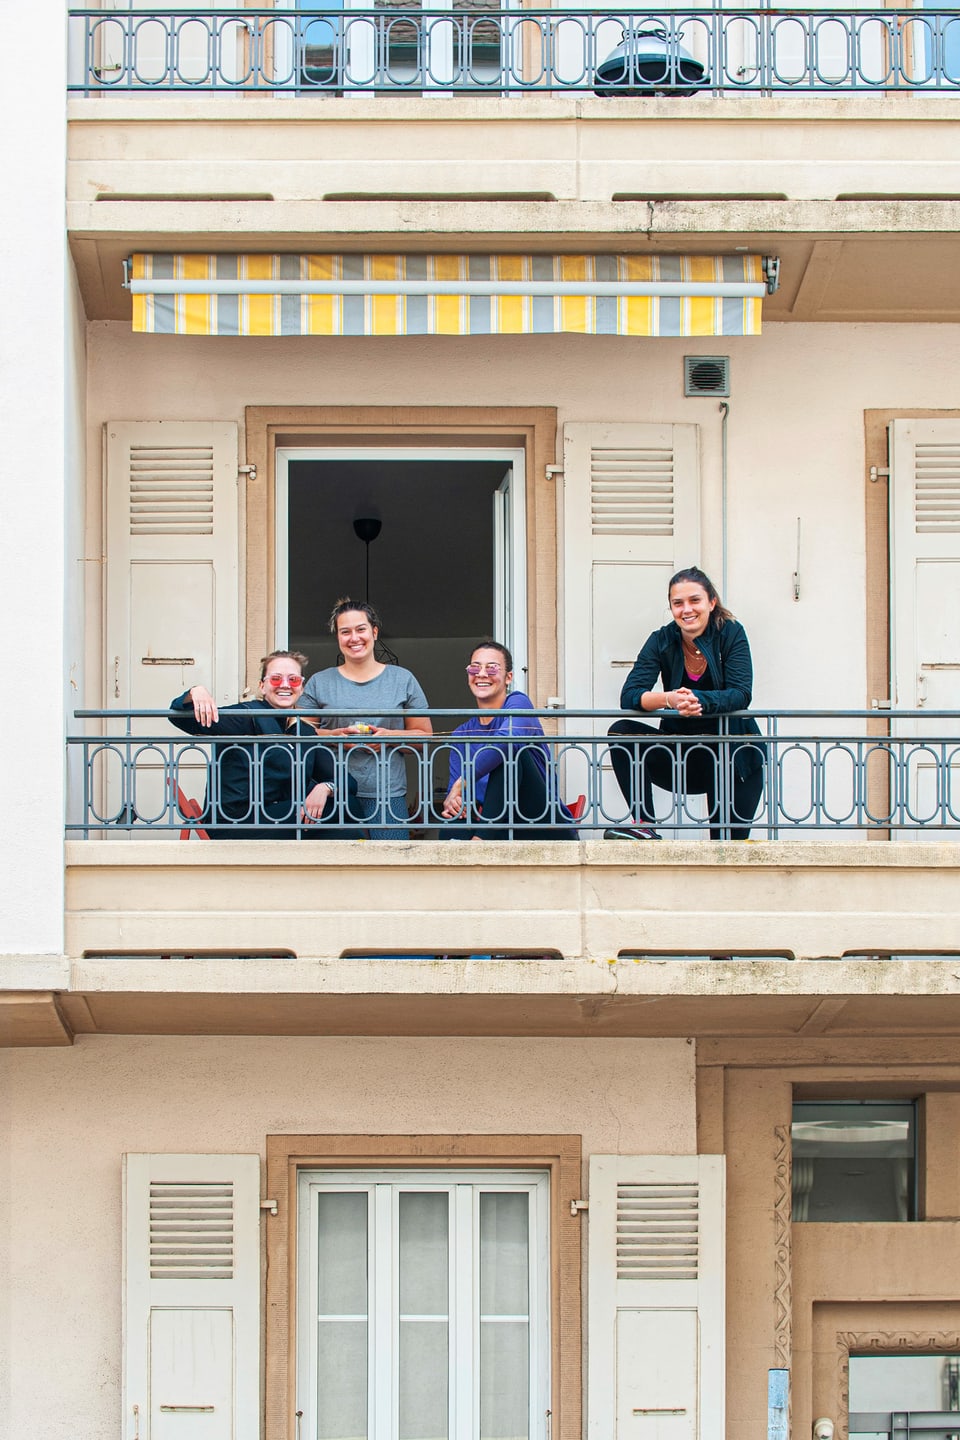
x=658 y=1231
x=706 y=375
x=171 y=491
x=191 y=1230
x=937 y=492
x=631 y=491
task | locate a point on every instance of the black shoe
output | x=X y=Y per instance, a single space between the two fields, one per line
x=631 y=832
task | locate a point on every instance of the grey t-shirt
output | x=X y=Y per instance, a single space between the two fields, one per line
x=393 y=689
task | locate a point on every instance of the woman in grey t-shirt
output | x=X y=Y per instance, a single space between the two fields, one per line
x=365 y=683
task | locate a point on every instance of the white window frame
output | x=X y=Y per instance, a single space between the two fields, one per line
x=510 y=569
x=464 y=1186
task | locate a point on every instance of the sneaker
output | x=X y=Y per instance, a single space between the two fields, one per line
x=631 y=832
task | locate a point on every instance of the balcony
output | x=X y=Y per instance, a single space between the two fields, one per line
x=473 y=47
x=402 y=916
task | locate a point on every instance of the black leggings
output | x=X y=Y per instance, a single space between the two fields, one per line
x=681 y=766
x=532 y=805
x=270 y=826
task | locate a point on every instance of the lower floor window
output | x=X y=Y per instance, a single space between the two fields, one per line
x=423 y=1304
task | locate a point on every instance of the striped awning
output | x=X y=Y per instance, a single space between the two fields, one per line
x=447 y=294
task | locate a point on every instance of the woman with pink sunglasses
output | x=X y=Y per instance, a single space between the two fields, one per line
x=294 y=781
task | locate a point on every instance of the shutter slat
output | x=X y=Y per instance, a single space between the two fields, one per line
x=171 y=490
x=631 y=491
x=658 y=1232
x=937 y=489
x=191 y=1231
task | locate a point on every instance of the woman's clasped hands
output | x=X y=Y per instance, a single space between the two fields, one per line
x=684 y=701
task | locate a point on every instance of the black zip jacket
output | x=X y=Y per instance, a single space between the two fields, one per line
x=729 y=670
x=282 y=789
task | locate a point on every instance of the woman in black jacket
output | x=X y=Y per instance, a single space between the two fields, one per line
x=263 y=788
x=703 y=660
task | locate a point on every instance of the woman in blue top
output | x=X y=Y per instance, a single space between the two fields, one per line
x=481 y=770
x=703 y=660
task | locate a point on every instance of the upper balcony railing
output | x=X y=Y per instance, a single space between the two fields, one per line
x=396 y=48
x=823 y=774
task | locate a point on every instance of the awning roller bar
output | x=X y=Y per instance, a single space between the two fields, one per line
x=625 y=289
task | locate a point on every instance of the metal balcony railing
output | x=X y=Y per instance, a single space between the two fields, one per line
x=473 y=46
x=825 y=774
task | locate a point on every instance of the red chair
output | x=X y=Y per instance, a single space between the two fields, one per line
x=577 y=807
x=189 y=809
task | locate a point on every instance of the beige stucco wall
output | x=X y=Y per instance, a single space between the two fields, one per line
x=795 y=430
x=71 y=1114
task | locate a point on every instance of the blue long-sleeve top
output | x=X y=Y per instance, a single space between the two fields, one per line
x=479 y=753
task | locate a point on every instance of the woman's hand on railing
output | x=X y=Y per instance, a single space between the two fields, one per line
x=316 y=802
x=204 y=706
x=453 y=806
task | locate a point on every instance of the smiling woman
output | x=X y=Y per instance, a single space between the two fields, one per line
x=361 y=682
x=292 y=780
x=702 y=658
x=498 y=804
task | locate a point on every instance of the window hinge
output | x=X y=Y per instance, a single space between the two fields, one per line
x=879 y=472
x=551 y=470
x=248 y=470
x=577 y=1205
x=876 y=704
x=270 y=1205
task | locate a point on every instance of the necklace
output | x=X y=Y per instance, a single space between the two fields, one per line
x=695 y=659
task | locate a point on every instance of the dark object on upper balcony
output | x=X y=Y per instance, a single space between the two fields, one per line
x=649 y=62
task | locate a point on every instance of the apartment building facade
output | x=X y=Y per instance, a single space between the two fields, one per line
x=411 y=1139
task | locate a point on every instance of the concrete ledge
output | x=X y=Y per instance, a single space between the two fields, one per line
x=591 y=901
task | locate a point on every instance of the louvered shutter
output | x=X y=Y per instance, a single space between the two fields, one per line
x=192 y=1297
x=172 y=561
x=656 y=1298
x=925 y=562
x=631 y=517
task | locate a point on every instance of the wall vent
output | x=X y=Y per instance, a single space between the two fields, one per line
x=171 y=490
x=937 y=492
x=631 y=491
x=658 y=1232
x=706 y=375
x=191 y=1230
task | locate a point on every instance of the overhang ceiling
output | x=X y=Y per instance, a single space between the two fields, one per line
x=853 y=261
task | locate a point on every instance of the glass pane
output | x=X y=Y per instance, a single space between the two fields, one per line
x=504 y=1292
x=884 y=1385
x=504 y=1254
x=424 y=1253
x=424 y=1379
x=341 y=1380
x=853 y=1161
x=342 y=1251
x=342 y=1330
x=424 y=1261
x=504 y=1379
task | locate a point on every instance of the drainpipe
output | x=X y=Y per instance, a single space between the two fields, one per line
x=724 y=411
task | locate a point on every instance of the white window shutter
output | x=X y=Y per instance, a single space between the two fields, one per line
x=630 y=519
x=925 y=562
x=172 y=591
x=656 y=1298
x=191 y=1297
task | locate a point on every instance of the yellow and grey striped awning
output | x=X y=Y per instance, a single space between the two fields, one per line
x=447 y=294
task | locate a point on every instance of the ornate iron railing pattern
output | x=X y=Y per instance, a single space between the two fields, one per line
x=824 y=773
x=396 y=47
